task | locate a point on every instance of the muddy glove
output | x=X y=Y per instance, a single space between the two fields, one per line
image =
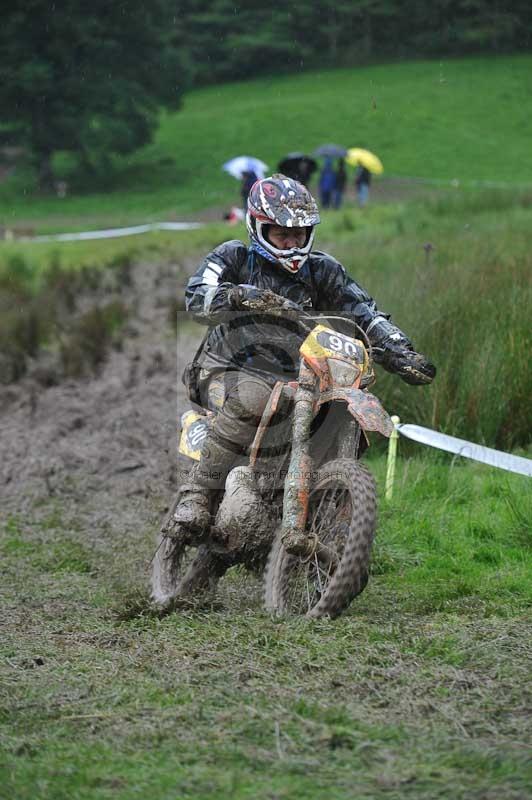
x=247 y=297
x=412 y=367
x=395 y=352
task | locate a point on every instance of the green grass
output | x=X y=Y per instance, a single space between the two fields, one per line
x=422 y=686
x=464 y=303
x=464 y=119
x=29 y=262
x=470 y=550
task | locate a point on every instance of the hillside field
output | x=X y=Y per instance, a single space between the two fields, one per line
x=465 y=119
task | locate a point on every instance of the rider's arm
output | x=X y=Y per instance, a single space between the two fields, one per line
x=391 y=347
x=340 y=294
x=209 y=292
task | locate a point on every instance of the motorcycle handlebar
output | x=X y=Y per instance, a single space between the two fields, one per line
x=278 y=306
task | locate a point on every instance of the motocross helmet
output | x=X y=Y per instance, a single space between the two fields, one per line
x=279 y=200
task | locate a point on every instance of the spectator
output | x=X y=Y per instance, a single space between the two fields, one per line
x=327 y=183
x=248 y=179
x=341 y=179
x=305 y=170
x=362 y=183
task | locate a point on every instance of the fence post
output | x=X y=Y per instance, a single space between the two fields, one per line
x=392 y=452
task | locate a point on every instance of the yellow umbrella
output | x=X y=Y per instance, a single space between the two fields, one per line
x=355 y=155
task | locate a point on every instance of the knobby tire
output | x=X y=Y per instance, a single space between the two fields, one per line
x=342 y=513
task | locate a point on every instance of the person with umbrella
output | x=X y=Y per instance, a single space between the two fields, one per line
x=327 y=184
x=366 y=163
x=247 y=169
x=362 y=184
x=298 y=166
x=330 y=151
x=244 y=358
x=341 y=180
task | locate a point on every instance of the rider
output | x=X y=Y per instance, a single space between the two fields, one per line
x=250 y=351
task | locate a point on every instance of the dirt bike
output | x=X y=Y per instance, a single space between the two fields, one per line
x=301 y=507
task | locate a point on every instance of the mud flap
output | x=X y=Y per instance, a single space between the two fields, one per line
x=194 y=430
x=369 y=413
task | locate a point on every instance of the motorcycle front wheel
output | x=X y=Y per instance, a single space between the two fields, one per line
x=342 y=516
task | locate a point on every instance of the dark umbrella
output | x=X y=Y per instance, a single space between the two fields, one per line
x=331 y=151
x=298 y=166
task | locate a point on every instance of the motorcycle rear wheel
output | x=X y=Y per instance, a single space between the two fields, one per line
x=342 y=514
x=180 y=571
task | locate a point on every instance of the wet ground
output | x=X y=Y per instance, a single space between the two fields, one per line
x=101 y=450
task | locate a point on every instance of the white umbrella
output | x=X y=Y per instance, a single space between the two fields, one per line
x=237 y=166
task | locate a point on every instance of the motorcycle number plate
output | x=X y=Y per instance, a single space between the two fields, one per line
x=194 y=429
x=323 y=342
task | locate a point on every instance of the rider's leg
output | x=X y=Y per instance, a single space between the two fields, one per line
x=232 y=431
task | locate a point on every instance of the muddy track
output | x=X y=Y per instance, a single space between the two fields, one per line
x=100 y=451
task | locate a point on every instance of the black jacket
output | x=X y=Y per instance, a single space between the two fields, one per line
x=257 y=342
x=362 y=175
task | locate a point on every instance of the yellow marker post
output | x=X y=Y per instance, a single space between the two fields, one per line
x=392 y=453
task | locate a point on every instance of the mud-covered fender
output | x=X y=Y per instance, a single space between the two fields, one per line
x=368 y=412
x=365 y=408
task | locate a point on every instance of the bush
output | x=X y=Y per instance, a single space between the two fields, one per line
x=37 y=314
x=84 y=348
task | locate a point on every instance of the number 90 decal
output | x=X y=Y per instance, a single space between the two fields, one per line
x=342 y=345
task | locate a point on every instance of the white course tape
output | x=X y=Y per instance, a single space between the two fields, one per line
x=112 y=233
x=495 y=458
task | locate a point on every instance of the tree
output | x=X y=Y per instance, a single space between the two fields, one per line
x=88 y=79
x=235 y=39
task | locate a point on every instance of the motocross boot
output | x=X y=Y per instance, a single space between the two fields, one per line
x=191 y=517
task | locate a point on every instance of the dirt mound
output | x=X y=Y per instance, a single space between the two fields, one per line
x=102 y=450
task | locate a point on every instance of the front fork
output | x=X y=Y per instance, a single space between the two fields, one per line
x=296 y=540
x=298 y=479
x=349 y=442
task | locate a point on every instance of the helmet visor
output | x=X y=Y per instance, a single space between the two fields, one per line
x=296 y=251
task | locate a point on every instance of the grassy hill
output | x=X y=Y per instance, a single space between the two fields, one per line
x=461 y=119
